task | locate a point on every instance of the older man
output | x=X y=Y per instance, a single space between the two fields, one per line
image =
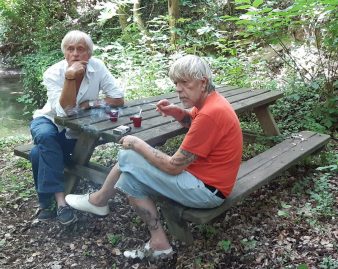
x=202 y=172
x=72 y=84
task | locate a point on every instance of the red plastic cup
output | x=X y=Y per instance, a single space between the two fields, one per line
x=113 y=115
x=136 y=120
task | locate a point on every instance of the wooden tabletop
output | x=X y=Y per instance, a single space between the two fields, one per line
x=156 y=129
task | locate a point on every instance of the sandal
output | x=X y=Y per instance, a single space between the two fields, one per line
x=146 y=251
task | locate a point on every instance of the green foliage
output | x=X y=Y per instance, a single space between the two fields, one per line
x=329 y=263
x=19 y=186
x=322 y=196
x=225 y=245
x=248 y=244
x=141 y=72
x=319 y=188
x=284 y=211
x=317 y=19
x=34 y=93
x=302 y=108
x=208 y=230
x=114 y=239
x=252 y=149
x=26 y=24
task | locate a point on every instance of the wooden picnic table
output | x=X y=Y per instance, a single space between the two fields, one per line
x=96 y=128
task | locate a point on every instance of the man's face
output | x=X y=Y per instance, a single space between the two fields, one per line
x=191 y=92
x=76 y=52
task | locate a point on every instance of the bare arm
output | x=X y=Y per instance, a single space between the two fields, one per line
x=172 y=165
x=73 y=79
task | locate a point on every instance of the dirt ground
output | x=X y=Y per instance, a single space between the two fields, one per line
x=253 y=234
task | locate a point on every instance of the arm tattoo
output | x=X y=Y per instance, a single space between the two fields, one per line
x=186 y=121
x=153 y=222
x=158 y=154
x=187 y=159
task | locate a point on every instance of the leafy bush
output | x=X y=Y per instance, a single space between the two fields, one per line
x=34 y=93
x=302 y=108
x=317 y=21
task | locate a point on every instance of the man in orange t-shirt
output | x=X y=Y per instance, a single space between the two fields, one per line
x=200 y=174
x=215 y=138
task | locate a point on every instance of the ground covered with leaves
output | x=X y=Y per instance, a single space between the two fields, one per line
x=291 y=223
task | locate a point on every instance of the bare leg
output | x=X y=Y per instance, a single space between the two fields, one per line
x=107 y=191
x=60 y=198
x=146 y=209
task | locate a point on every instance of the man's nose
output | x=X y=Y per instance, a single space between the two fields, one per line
x=178 y=87
x=76 y=52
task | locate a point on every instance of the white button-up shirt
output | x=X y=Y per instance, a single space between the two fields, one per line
x=97 y=80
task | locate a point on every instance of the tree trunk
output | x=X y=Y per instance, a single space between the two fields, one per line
x=137 y=15
x=173 y=10
x=123 y=16
x=230 y=8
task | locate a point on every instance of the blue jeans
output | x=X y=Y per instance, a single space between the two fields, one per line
x=140 y=179
x=52 y=151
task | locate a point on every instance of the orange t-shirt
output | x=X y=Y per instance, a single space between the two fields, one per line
x=216 y=138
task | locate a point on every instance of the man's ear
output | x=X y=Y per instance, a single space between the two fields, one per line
x=204 y=83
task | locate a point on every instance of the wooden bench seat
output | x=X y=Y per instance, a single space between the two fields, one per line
x=253 y=174
x=94 y=172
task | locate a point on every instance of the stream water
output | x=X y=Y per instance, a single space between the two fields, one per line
x=12 y=118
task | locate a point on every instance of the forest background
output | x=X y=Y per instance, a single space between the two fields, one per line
x=280 y=45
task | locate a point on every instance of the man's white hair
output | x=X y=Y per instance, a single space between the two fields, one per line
x=191 y=67
x=76 y=36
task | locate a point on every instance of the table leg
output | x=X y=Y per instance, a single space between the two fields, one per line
x=267 y=121
x=83 y=150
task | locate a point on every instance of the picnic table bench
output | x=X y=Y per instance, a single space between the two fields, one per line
x=96 y=128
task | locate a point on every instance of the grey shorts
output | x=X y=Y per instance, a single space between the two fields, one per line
x=140 y=179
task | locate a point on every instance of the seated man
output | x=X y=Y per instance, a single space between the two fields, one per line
x=202 y=172
x=72 y=83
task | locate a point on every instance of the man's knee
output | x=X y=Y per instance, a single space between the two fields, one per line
x=43 y=130
x=129 y=156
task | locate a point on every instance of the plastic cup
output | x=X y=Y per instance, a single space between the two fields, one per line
x=136 y=121
x=113 y=115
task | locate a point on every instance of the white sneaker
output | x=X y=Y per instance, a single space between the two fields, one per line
x=81 y=202
x=147 y=252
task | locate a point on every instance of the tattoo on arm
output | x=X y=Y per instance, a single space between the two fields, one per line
x=186 y=121
x=157 y=154
x=153 y=222
x=185 y=160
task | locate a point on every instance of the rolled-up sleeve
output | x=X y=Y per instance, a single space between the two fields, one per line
x=53 y=84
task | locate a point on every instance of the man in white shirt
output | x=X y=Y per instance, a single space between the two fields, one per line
x=72 y=84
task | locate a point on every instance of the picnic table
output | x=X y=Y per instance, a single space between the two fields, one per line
x=95 y=128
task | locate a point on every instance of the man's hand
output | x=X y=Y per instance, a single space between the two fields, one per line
x=168 y=109
x=130 y=141
x=76 y=70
